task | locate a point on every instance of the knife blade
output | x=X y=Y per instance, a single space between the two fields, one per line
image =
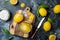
x=39 y=25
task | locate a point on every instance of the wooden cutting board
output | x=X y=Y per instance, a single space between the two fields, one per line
x=15 y=28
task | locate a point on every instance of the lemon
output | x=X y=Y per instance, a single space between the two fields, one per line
x=42 y=11
x=56 y=9
x=18 y=17
x=13 y=2
x=52 y=37
x=22 y=5
x=31 y=17
x=47 y=26
x=25 y=27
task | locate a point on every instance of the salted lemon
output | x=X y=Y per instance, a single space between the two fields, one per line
x=56 y=9
x=25 y=27
x=22 y=5
x=13 y=2
x=47 y=26
x=42 y=11
x=18 y=17
x=52 y=37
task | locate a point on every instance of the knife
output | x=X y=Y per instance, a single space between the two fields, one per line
x=39 y=25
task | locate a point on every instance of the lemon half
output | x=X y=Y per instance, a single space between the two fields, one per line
x=25 y=27
x=18 y=17
x=43 y=11
x=52 y=37
x=47 y=26
x=13 y=2
x=56 y=9
x=22 y=5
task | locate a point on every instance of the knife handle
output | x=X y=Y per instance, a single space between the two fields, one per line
x=34 y=33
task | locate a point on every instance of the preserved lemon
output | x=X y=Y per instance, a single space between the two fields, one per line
x=25 y=27
x=56 y=9
x=42 y=11
x=47 y=26
x=52 y=37
x=18 y=17
x=13 y=2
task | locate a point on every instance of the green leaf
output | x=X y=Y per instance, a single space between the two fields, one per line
x=50 y=20
x=5 y=30
x=10 y=38
x=6 y=2
x=44 y=6
x=38 y=12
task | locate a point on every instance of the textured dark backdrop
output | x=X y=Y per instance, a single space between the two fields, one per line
x=41 y=35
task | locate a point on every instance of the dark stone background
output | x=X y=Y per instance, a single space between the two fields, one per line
x=40 y=35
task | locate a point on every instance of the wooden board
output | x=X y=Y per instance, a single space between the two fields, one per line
x=15 y=28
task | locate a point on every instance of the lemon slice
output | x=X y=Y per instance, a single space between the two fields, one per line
x=52 y=37
x=13 y=2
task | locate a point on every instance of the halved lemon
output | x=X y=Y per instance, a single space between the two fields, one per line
x=18 y=17
x=47 y=26
x=22 y=5
x=13 y=2
x=56 y=9
x=42 y=11
x=25 y=27
x=52 y=37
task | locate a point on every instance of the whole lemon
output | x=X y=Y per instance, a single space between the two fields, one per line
x=42 y=11
x=13 y=2
x=18 y=17
x=25 y=27
x=56 y=9
x=47 y=26
x=52 y=37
